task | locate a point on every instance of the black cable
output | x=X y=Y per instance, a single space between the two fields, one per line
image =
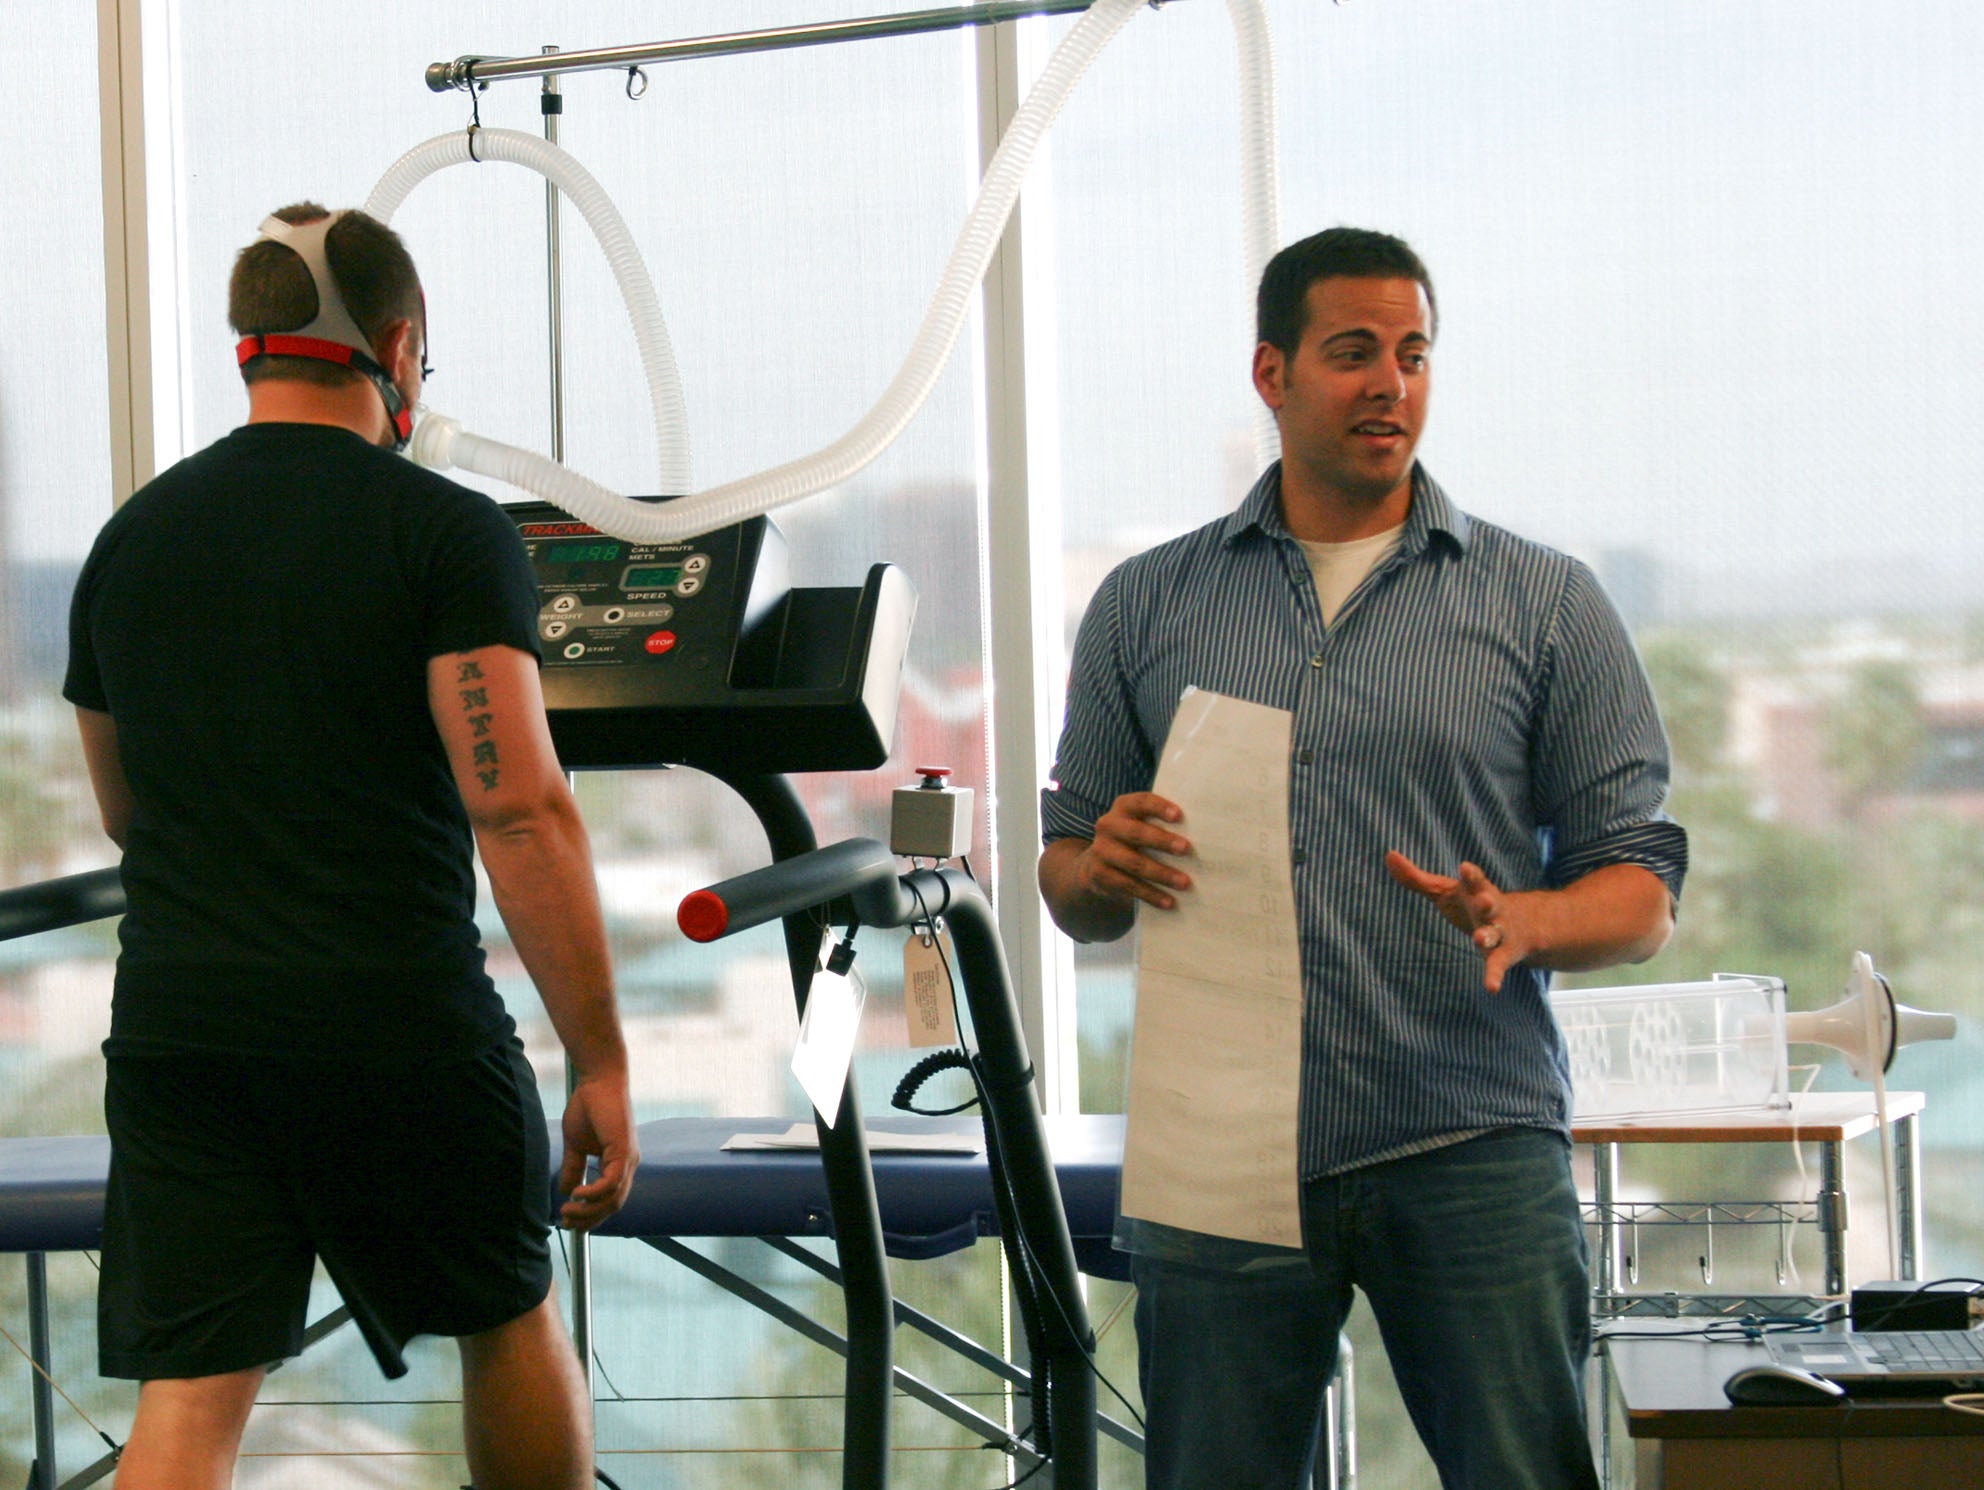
x=1038 y=1465
x=1028 y=1284
x=1088 y=1350
x=598 y=1364
x=1746 y=1330
x=914 y=1078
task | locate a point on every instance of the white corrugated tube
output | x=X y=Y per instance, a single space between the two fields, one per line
x=440 y=442
x=671 y=420
x=1260 y=172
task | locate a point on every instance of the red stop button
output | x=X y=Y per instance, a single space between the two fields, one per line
x=661 y=641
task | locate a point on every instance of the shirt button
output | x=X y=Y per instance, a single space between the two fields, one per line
x=1317 y=660
x=1299 y=857
x=1305 y=757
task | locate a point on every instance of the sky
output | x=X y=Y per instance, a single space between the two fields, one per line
x=1705 y=268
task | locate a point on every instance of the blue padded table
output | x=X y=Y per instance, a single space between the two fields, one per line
x=51 y=1193
x=931 y=1203
x=52 y=1189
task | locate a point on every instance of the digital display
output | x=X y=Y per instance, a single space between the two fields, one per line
x=580 y=551
x=651 y=577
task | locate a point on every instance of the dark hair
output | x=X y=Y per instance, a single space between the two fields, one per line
x=1281 y=309
x=271 y=290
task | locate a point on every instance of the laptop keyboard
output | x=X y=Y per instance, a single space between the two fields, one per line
x=1924 y=1350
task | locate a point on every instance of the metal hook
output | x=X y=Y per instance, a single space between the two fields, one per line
x=474 y=113
x=1633 y=1255
x=636 y=77
x=1707 y=1259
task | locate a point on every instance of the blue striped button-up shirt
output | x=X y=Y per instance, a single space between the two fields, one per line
x=1476 y=698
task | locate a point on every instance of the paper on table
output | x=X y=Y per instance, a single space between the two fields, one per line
x=1216 y=1056
x=806 y=1136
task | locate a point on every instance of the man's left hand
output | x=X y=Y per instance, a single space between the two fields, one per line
x=1475 y=906
x=599 y=1124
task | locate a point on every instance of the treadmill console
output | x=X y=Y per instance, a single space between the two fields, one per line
x=702 y=653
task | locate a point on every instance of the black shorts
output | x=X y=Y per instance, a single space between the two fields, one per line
x=425 y=1192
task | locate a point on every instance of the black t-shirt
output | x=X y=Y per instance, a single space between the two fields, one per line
x=258 y=621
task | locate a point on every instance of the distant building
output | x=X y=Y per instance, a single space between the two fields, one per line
x=1783 y=728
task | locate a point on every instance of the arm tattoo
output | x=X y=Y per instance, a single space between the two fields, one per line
x=475 y=704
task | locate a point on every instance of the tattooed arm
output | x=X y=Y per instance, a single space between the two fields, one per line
x=489 y=710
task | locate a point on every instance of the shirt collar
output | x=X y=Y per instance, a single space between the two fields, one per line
x=1431 y=513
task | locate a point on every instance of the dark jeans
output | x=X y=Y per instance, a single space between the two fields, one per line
x=1473 y=1258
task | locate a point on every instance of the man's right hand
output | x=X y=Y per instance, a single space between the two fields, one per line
x=1093 y=886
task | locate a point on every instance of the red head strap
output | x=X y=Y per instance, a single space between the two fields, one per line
x=332 y=335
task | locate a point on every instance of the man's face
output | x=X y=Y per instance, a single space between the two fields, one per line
x=1351 y=401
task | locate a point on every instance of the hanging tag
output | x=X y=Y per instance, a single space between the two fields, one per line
x=827 y=1032
x=928 y=1000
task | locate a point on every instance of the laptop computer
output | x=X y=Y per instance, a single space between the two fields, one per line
x=1888 y=1362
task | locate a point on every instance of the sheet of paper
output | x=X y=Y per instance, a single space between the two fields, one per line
x=1216 y=1055
x=806 y=1136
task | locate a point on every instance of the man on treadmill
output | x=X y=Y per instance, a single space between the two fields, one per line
x=306 y=675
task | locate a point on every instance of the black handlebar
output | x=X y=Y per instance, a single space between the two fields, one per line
x=859 y=868
x=53 y=904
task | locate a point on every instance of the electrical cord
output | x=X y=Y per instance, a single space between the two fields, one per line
x=597 y=1363
x=1038 y=1465
x=1744 y=1330
x=1029 y=1260
x=914 y=1078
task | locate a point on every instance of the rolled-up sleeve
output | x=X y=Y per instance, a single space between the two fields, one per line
x=1600 y=772
x=1104 y=751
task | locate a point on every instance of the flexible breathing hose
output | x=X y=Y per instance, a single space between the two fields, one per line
x=671 y=419
x=440 y=441
x=1260 y=178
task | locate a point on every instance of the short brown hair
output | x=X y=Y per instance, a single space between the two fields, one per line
x=1282 y=305
x=271 y=290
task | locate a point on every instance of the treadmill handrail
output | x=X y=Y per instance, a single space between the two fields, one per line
x=29 y=910
x=863 y=876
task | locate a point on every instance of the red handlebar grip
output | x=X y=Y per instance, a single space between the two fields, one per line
x=703 y=916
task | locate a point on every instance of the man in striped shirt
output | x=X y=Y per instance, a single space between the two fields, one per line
x=1476 y=780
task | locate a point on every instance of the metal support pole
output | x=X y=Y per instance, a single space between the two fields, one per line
x=469 y=72
x=1611 y=1239
x=1343 y=1404
x=1908 y=1197
x=1832 y=1218
x=41 y=1476
x=870 y=1303
x=552 y=102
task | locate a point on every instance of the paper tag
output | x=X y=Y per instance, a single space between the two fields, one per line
x=827 y=1032
x=928 y=1000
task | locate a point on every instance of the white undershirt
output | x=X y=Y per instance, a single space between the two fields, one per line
x=1340 y=568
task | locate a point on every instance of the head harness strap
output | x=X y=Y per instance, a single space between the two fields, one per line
x=332 y=335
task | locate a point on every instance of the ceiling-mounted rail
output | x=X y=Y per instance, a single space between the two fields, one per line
x=466 y=72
